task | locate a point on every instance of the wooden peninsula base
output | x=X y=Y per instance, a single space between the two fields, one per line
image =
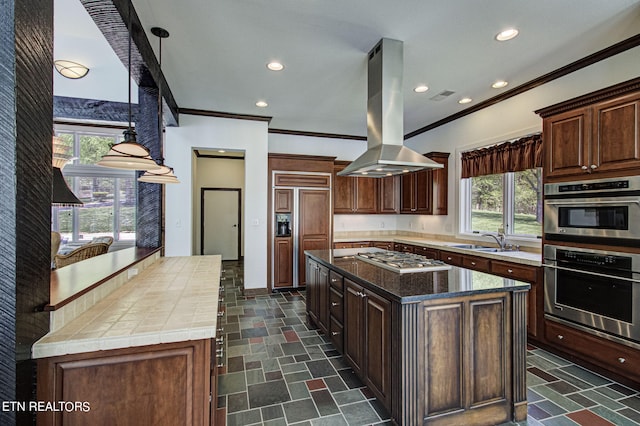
x=436 y=348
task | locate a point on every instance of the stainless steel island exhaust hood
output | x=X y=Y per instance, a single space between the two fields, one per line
x=386 y=155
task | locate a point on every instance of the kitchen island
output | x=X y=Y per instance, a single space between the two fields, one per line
x=438 y=347
x=144 y=353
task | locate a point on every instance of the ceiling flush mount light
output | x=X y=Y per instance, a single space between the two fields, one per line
x=499 y=84
x=128 y=154
x=507 y=34
x=165 y=173
x=262 y=104
x=421 y=89
x=275 y=66
x=70 y=69
x=465 y=100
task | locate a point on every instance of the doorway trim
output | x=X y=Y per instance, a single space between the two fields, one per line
x=202 y=193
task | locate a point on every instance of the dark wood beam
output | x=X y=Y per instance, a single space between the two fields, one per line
x=112 y=18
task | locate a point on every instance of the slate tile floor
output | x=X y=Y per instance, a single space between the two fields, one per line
x=279 y=372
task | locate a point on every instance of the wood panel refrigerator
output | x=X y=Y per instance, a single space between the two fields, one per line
x=301 y=220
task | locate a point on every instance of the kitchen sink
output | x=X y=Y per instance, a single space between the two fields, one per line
x=476 y=247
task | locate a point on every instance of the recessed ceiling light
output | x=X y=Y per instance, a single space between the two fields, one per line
x=465 y=100
x=507 y=34
x=262 y=104
x=275 y=66
x=499 y=84
x=421 y=89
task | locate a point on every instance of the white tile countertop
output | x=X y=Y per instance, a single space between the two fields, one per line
x=175 y=299
x=523 y=257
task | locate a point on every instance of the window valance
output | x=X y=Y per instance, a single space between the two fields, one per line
x=521 y=154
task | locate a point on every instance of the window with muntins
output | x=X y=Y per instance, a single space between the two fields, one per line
x=109 y=195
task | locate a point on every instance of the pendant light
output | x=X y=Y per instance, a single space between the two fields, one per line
x=61 y=195
x=165 y=173
x=129 y=154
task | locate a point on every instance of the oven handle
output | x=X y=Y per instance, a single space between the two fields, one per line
x=546 y=265
x=591 y=203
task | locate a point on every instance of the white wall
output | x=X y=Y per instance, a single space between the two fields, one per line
x=216 y=173
x=196 y=132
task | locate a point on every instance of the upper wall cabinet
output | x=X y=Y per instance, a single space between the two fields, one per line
x=425 y=191
x=353 y=194
x=594 y=136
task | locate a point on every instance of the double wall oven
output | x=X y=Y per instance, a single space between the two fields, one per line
x=595 y=289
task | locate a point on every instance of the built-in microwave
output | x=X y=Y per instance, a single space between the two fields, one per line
x=604 y=211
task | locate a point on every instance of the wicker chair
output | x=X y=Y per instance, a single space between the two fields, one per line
x=106 y=240
x=81 y=253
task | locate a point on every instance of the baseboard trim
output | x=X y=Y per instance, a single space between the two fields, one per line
x=250 y=292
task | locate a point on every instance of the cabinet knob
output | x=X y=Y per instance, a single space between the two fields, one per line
x=220 y=352
x=335 y=333
x=220 y=314
x=220 y=330
x=560 y=337
x=334 y=280
x=334 y=304
x=593 y=167
x=584 y=168
x=510 y=271
x=220 y=340
x=448 y=258
x=473 y=263
x=621 y=360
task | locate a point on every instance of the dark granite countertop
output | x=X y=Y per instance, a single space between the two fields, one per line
x=412 y=287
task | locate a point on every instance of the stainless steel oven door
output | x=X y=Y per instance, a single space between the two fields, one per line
x=614 y=218
x=599 y=301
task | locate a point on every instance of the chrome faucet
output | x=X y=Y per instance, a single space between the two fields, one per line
x=500 y=239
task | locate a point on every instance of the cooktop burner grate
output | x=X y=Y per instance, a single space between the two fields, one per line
x=403 y=262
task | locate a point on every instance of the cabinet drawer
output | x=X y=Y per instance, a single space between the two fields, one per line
x=383 y=245
x=427 y=252
x=477 y=263
x=336 y=280
x=336 y=334
x=407 y=248
x=515 y=271
x=342 y=245
x=361 y=244
x=612 y=356
x=335 y=304
x=451 y=258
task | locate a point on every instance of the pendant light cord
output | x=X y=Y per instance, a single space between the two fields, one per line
x=129 y=61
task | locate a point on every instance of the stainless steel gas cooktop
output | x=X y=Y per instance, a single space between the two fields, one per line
x=403 y=262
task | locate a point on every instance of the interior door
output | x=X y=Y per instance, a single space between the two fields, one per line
x=220 y=231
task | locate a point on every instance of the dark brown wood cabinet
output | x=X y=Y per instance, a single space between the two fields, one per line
x=283 y=262
x=314 y=232
x=389 y=195
x=386 y=245
x=163 y=384
x=440 y=183
x=426 y=191
x=596 y=135
x=283 y=200
x=318 y=295
x=416 y=192
x=620 y=360
x=427 y=252
x=452 y=360
x=367 y=337
x=354 y=194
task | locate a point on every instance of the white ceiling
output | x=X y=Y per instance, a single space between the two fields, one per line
x=215 y=58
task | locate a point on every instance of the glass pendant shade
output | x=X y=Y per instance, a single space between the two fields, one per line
x=163 y=175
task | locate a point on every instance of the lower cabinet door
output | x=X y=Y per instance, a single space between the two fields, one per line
x=377 y=336
x=353 y=324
